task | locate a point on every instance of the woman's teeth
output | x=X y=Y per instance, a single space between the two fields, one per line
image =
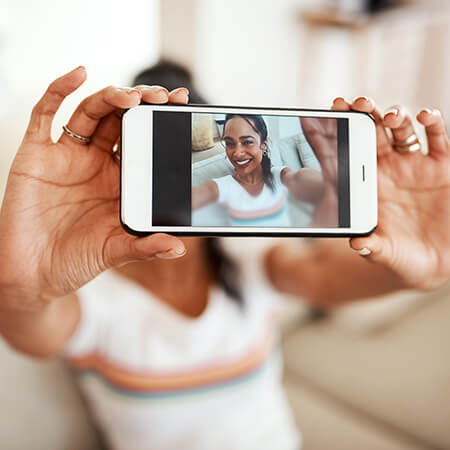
x=241 y=163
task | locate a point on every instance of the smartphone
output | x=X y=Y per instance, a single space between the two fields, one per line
x=197 y=170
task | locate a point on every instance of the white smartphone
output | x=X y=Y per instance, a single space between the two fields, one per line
x=197 y=170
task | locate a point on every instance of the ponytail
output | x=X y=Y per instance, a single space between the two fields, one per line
x=266 y=165
x=226 y=269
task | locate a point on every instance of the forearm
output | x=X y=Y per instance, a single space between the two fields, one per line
x=329 y=275
x=326 y=213
x=40 y=332
x=198 y=199
x=204 y=194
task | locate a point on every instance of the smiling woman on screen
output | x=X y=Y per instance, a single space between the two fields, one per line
x=256 y=193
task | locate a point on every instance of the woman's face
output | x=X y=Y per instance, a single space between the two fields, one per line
x=243 y=145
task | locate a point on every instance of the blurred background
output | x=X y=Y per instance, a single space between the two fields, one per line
x=374 y=375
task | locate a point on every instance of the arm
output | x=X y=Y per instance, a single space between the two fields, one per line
x=305 y=185
x=328 y=274
x=321 y=134
x=204 y=194
x=59 y=221
x=41 y=332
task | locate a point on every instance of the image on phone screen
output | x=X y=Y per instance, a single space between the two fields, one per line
x=252 y=170
x=249 y=170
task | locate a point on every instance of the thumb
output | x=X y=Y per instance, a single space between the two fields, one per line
x=124 y=248
x=373 y=248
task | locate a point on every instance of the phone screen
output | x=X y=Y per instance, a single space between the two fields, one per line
x=249 y=170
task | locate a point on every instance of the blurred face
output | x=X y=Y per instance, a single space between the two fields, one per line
x=243 y=145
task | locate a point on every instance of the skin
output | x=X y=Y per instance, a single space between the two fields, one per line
x=162 y=278
x=243 y=145
x=321 y=134
x=411 y=245
x=59 y=225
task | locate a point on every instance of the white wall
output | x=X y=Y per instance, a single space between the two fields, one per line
x=247 y=52
x=261 y=52
x=40 y=40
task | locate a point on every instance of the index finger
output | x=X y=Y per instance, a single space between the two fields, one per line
x=367 y=105
x=44 y=111
x=179 y=95
x=93 y=109
x=340 y=104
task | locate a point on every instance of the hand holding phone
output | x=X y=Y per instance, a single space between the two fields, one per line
x=413 y=234
x=59 y=221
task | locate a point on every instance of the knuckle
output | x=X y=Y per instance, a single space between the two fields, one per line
x=85 y=108
x=37 y=108
x=54 y=91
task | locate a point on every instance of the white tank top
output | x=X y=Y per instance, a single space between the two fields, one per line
x=267 y=209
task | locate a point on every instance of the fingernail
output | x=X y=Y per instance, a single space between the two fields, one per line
x=182 y=89
x=364 y=251
x=156 y=89
x=171 y=254
x=394 y=111
x=160 y=92
x=361 y=97
x=340 y=98
x=128 y=90
x=426 y=110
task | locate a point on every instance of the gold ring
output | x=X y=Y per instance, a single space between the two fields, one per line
x=116 y=151
x=81 y=139
x=116 y=156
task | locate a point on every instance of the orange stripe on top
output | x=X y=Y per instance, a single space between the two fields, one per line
x=258 y=213
x=150 y=381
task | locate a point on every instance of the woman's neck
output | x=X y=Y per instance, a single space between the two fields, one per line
x=251 y=179
x=181 y=283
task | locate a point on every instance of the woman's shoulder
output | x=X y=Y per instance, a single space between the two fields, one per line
x=226 y=179
x=227 y=187
x=276 y=172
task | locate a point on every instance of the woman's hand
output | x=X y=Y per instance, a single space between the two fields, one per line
x=412 y=239
x=305 y=184
x=321 y=134
x=59 y=222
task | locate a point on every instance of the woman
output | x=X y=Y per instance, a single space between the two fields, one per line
x=170 y=356
x=255 y=195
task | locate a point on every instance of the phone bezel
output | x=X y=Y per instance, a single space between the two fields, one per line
x=135 y=201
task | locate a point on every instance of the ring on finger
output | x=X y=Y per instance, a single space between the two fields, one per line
x=409 y=145
x=116 y=152
x=81 y=139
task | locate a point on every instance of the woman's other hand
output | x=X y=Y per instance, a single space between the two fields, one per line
x=59 y=222
x=321 y=134
x=413 y=235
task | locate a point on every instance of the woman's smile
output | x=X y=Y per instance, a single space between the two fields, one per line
x=243 y=162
